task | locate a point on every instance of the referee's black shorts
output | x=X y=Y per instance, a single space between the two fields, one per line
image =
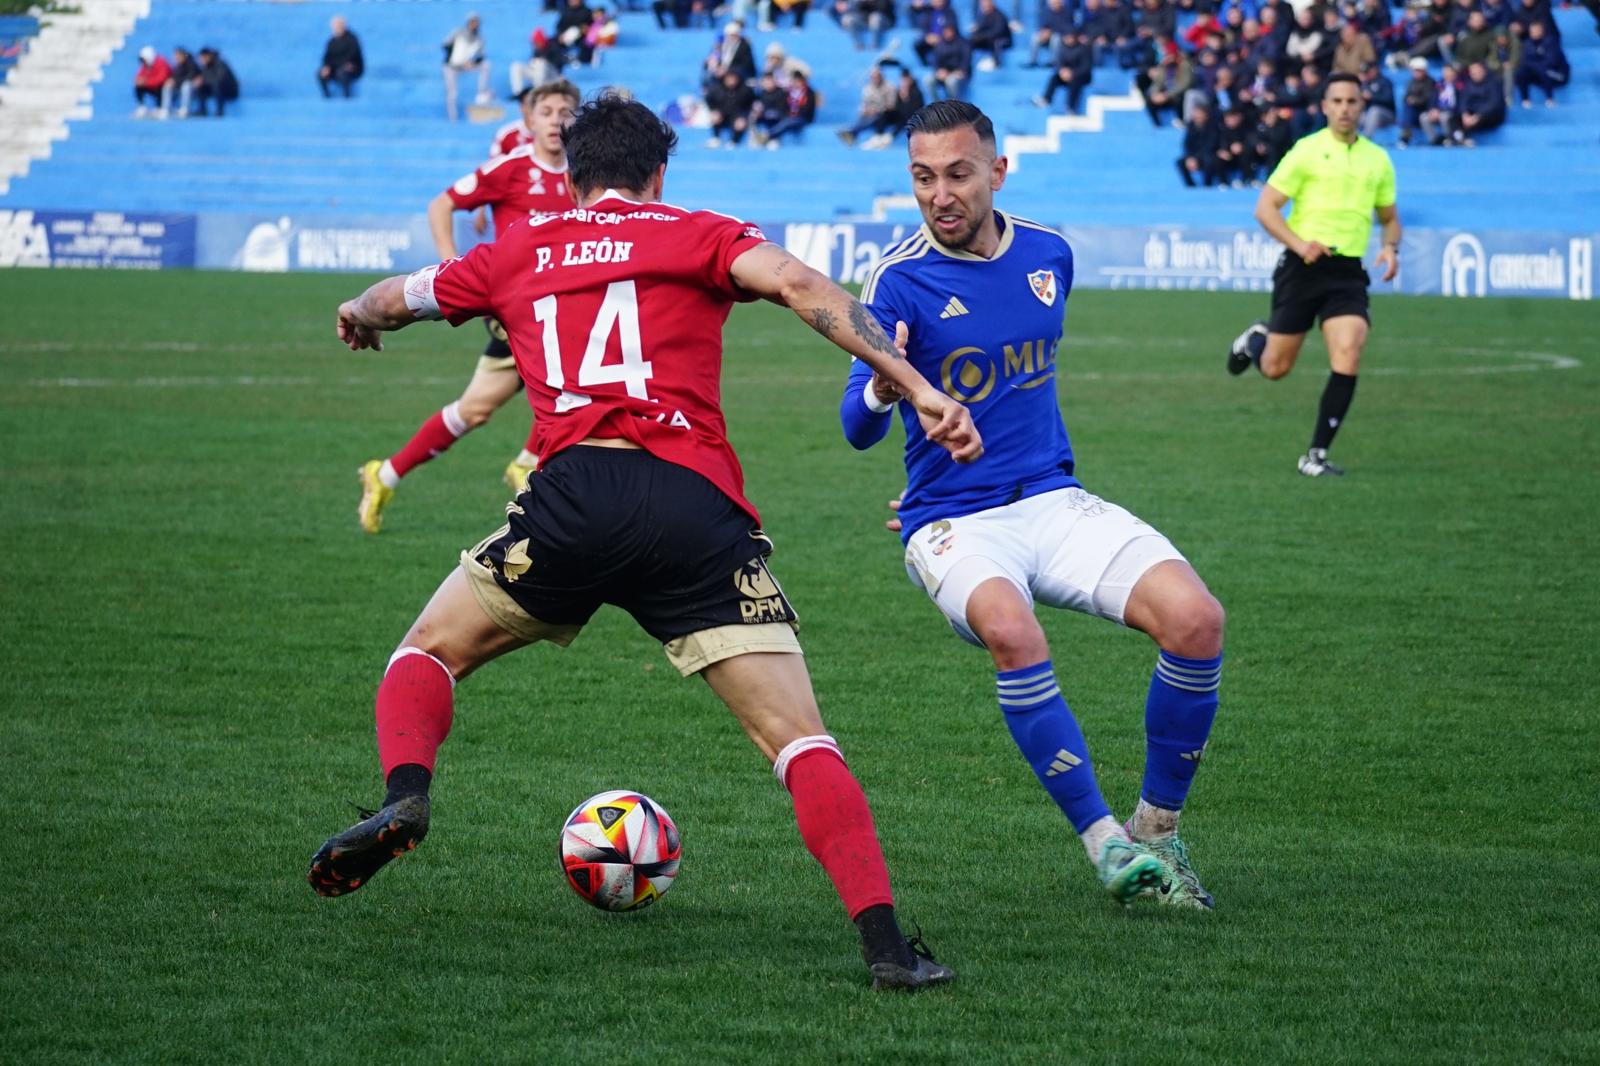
x=1334 y=285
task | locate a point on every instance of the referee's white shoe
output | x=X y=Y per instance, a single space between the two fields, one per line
x=1314 y=463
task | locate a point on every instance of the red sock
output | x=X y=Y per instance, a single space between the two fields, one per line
x=414 y=710
x=434 y=437
x=835 y=822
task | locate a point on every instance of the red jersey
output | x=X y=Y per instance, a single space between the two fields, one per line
x=615 y=315
x=509 y=138
x=514 y=186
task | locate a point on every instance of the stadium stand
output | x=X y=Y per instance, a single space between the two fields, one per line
x=285 y=149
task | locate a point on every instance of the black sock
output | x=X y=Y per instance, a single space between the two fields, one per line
x=1336 y=397
x=407 y=779
x=881 y=938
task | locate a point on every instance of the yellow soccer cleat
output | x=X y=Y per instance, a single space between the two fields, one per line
x=516 y=476
x=375 y=496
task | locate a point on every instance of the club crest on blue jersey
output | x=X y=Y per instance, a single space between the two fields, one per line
x=1043 y=285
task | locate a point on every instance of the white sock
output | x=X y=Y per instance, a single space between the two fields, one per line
x=387 y=475
x=453 y=420
x=1095 y=836
x=1151 y=822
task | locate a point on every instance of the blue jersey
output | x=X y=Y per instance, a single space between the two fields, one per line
x=987 y=332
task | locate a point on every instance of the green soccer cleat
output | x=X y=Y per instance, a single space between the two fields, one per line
x=1182 y=887
x=1129 y=870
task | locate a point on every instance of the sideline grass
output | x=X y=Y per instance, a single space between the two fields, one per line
x=1395 y=813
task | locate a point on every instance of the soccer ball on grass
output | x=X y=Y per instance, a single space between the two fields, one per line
x=620 y=850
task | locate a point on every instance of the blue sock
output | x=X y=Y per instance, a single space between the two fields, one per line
x=1177 y=721
x=1049 y=738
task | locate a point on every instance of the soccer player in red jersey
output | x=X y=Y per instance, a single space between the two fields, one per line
x=615 y=312
x=528 y=180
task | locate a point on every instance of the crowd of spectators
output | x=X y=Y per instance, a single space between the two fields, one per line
x=1244 y=82
x=771 y=104
x=191 y=84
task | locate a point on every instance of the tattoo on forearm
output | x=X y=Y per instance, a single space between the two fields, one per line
x=822 y=322
x=867 y=329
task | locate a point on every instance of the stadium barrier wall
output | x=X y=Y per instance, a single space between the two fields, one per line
x=1434 y=262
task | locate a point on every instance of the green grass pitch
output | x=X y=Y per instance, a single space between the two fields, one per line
x=1397 y=813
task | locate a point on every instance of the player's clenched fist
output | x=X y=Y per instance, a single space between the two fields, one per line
x=353 y=333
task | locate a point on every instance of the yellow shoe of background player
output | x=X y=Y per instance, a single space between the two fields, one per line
x=516 y=476
x=375 y=496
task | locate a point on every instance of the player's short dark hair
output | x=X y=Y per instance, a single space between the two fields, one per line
x=615 y=142
x=942 y=116
x=1343 y=77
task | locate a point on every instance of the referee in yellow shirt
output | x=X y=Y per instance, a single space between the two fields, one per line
x=1337 y=179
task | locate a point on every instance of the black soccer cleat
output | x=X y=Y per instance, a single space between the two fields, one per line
x=347 y=861
x=924 y=972
x=1246 y=348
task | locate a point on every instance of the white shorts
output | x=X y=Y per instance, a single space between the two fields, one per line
x=1067 y=548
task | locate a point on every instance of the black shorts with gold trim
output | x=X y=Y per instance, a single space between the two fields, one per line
x=620 y=526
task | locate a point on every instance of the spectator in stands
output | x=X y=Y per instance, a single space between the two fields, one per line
x=770 y=9
x=1544 y=64
x=1113 y=32
x=1164 y=87
x=772 y=107
x=1483 y=103
x=1200 y=30
x=1200 y=139
x=1475 y=43
x=1419 y=97
x=1375 y=20
x=783 y=65
x=731 y=52
x=908 y=100
x=1354 y=52
x=463 y=54
x=184 y=82
x=683 y=12
x=1158 y=17
x=602 y=35
x=1425 y=36
x=572 y=29
x=800 y=110
x=1236 y=163
x=990 y=33
x=860 y=17
x=730 y=102
x=1441 y=123
x=931 y=21
x=1378 y=92
x=1073 y=71
x=1312 y=86
x=217 y=82
x=951 y=61
x=1054 y=21
x=150 y=83
x=877 y=101
x=545 y=61
x=1305 y=40
x=341 y=59
x=1272 y=141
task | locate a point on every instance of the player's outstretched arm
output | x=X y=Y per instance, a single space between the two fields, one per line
x=380 y=309
x=768 y=271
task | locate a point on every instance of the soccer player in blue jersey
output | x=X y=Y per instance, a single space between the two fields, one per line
x=980 y=296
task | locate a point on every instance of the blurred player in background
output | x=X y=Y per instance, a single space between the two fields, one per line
x=983 y=294
x=529 y=179
x=1337 y=179
x=614 y=312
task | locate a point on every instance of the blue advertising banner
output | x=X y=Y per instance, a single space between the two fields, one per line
x=111 y=239
x=1436 y=262
x=1433 y=262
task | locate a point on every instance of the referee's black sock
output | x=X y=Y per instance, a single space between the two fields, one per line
x=1336 y=397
